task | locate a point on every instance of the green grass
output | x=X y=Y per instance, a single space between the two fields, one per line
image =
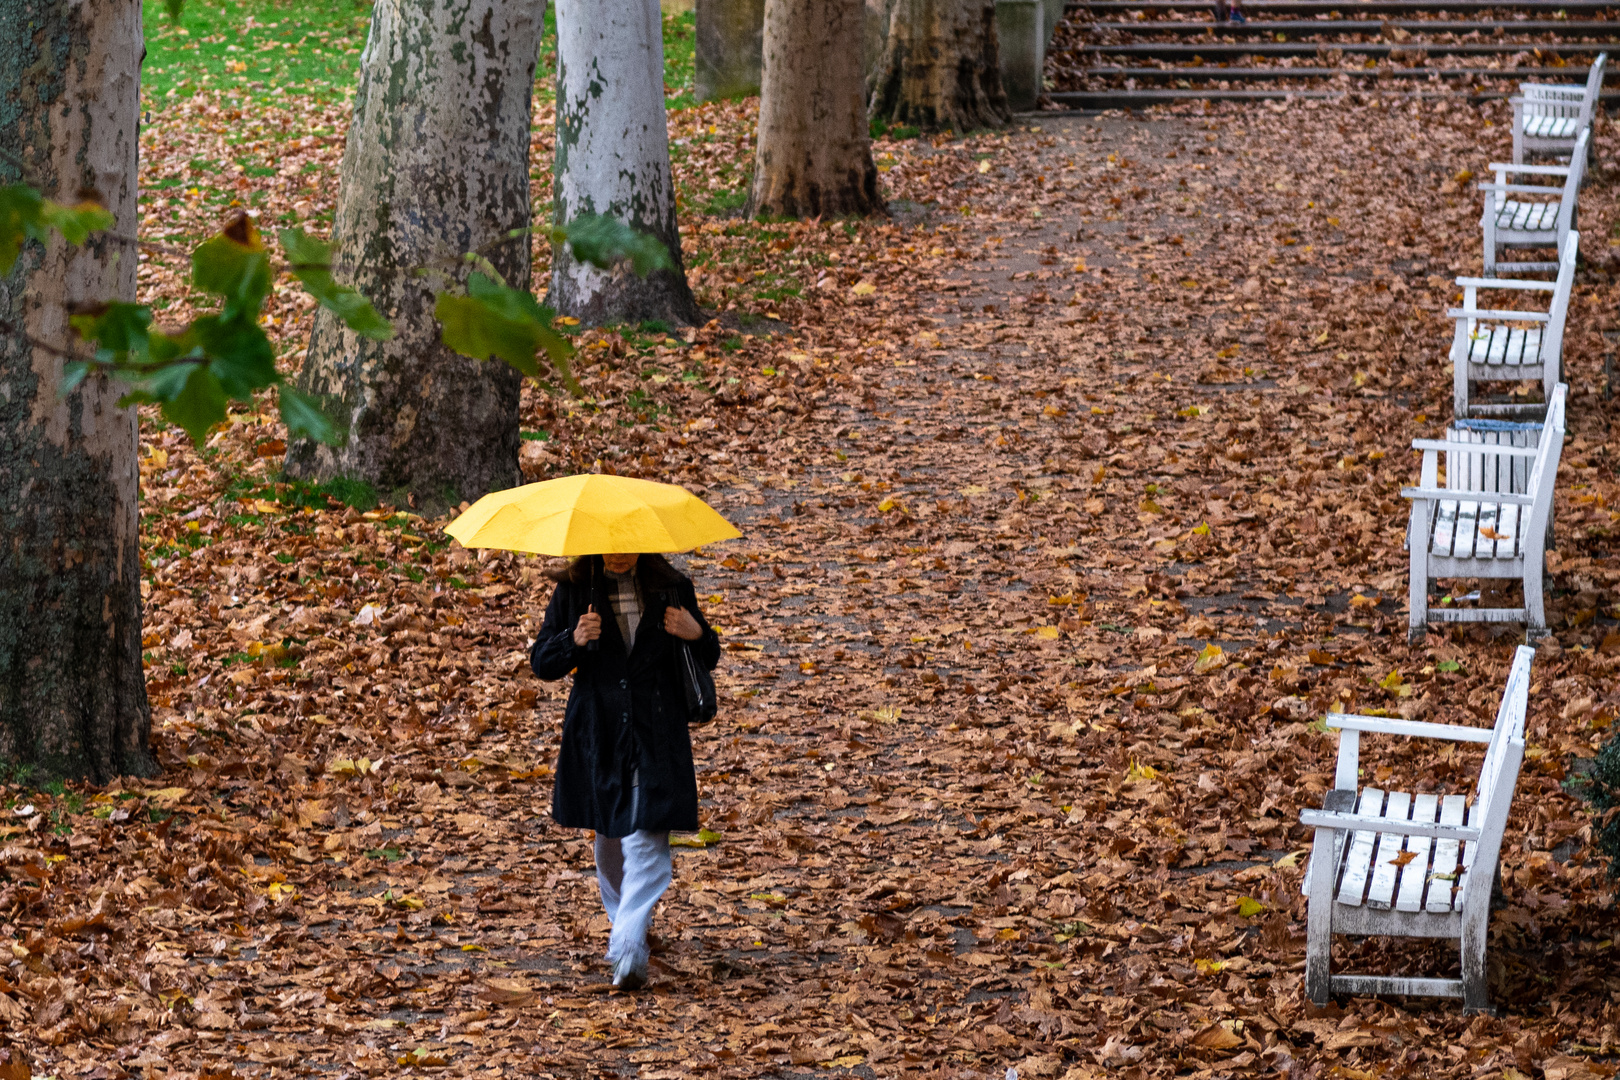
x=259 y=47
x=267 y=49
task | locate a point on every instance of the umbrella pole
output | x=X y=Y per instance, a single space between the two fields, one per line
x=595 y=643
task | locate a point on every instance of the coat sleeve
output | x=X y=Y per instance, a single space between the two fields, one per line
x=554 y=653
x=706 y=649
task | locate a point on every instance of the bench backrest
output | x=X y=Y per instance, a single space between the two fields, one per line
x=1572 y=182
x=1497 y=778
x=1544 y=474
x=1563 y=99
x=1467 y=471
x=1552 y=333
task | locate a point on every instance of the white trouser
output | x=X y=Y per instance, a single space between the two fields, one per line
x=632 y=873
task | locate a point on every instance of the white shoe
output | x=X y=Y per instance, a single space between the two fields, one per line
x=628 y=975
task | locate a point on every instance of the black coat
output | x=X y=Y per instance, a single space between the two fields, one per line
x=626 y=713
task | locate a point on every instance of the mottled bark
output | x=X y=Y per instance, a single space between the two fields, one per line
x=613 y=158
x=72 y=693
x=814 y=157
x=436 y=165
x=939 y=69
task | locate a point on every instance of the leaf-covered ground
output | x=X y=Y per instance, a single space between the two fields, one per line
x=1071 y=502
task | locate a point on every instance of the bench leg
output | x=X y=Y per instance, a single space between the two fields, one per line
x=1476 y=996
x=1489 y=225
x=1319 y=917
x=1535 y=607
x=1417 y=591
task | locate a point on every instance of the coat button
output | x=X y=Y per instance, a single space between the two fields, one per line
x=624 y=684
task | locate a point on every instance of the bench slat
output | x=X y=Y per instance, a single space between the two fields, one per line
x=1359 y=851
x=1441 y=883
x=1381 y=891
x=1413 y=875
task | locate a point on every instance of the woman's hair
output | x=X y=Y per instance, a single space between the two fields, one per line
x=653 y=570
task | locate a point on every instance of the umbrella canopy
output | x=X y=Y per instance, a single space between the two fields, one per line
x=591 y=514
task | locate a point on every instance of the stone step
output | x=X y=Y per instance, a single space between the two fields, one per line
x=1179 y=50
x=1296 y=28
x=1096 y=100
x=1078 y=12
x=1265 y=74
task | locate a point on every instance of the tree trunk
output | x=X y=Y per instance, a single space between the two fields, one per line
x=436 y=165
x=814 y=157
x=613 y=158
x=72 y=693
x=940 y=70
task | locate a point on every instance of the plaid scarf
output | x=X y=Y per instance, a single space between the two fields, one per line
x=625 y=596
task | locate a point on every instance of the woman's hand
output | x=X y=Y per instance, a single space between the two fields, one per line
x=588 y=629
x=679 y=621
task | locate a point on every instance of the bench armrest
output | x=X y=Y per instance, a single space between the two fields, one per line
x=1488 y=498
x=1414 y=728
x=1527 y=189
x=1497 y=313
x=1529 y=170
x=1450 y=446
x=1505 y=283
x=1328 y=819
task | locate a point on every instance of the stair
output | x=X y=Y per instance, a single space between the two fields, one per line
x=1110 y=54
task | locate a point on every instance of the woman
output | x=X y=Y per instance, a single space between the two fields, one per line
x=625 y=768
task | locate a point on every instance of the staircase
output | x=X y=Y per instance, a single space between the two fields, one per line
x=1113 y=54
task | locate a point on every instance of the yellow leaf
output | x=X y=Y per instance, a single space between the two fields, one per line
x=1321 y=339
x=1392 y=681
x=280 y=890
x=568 y=320
x=158 y=457
x=1363 y=602
x=1079 y=266
x=1209 y=967
x=1212 y=657
x=1249 y=907
x=1050 y=633
x=1138 y=771
x=1291 y=859
x=886 y=505
x=1150 y=507
x=167 y=797
x=865 y=288
x=1201 y=530
x=703 y=839
x=1403 y=858
x=984 y=166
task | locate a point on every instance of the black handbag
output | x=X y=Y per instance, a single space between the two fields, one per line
x=696 y=680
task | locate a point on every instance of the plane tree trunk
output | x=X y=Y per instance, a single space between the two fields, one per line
x=612 y=158
x=436 y=165
x=72 y=692
x=814 y=157
x=940 y=69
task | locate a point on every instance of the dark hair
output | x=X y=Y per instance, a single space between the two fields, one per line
x=654 y=570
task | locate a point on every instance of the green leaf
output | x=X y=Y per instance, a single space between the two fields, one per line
x=1448 y=665
x=73 y=374
x=27 y=215
x=120 y=332
x=310 y=261
x=605 y=241
x=75 y=223
x=199 y=405
x=495 y=321
x=19 y=211
x=242 y=358
x=234 y=265
x=305 y=420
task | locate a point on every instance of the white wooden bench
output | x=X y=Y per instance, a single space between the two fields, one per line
x=1548 y=117
x=1412 y=864
x=1475 y=527
x=1500 y=345
x=1510 y=222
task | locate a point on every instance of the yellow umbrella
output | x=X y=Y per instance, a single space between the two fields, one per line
x=591 y=515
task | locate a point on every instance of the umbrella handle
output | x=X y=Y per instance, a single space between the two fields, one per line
x=595 y=644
